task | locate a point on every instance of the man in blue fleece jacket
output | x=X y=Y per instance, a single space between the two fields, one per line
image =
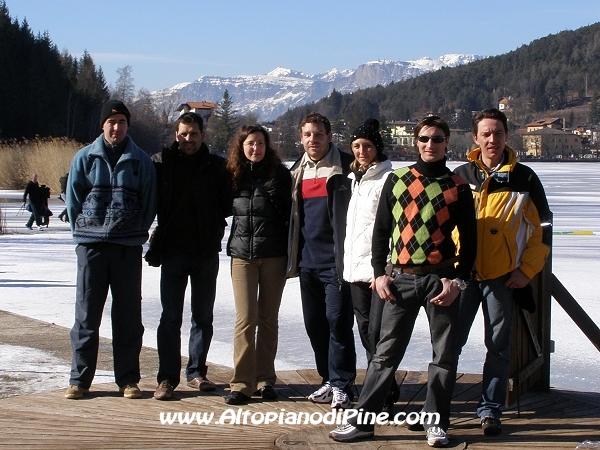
x=111 y=202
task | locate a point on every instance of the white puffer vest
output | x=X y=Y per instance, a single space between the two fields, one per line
x=360 y=220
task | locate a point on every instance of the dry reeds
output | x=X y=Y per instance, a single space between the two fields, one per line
x=49 y=158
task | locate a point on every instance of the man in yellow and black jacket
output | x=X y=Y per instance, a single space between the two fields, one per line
x=511 y=207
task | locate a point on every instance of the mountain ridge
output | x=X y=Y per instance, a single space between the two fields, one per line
x=272 y=94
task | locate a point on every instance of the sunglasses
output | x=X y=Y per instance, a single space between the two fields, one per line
x=435 y=139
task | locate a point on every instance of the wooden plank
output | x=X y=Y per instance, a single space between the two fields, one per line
x=311 y=377
x=413 y=389
x=555 y=419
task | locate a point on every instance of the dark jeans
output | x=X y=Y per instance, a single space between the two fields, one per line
x=100 y=267
x=498 y=305
x=202 y=272
x=368 y=310
x=328 y=319
x=413 y=292
x=36 y=215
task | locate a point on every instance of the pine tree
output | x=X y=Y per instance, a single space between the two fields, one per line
x=90 y=93
x=386 y=132
x=339 y=130
x=288 y=140
x=225 y=123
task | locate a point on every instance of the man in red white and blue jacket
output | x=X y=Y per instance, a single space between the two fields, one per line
x=321 y=191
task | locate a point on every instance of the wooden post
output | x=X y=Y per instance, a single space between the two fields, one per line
x=531 y=344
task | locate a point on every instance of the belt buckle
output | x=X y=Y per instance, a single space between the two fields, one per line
x=418 y=270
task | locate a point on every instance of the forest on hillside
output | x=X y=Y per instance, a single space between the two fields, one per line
x=550 y=75
x=38 y=82
x=46 y=93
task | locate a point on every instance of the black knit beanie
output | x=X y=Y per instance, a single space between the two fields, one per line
x=369 y=130
x=113 y=107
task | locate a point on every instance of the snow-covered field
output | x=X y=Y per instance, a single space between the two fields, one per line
x=37 y=279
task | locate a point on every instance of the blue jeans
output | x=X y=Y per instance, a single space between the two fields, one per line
x=100 y=267
x=328 y=319
x=498 y=305
x=413 y=292
x=202 y=272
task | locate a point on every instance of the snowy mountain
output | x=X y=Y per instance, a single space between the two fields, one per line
x=272 y=94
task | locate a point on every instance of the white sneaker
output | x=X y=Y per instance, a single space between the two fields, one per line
x=41 y=228
x=340 y=399
x=347 y=433
x=322 y=395
x=436 y=437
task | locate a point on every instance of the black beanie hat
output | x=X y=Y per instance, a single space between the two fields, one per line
x=113 y=107
x=369 y=130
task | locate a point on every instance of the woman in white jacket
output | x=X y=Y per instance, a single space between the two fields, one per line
x=370 y=169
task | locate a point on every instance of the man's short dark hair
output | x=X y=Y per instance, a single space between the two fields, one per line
x=490 y=113
x=432 y=121
x=316 y=118
x=189 y=118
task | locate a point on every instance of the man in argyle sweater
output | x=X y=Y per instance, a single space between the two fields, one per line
x=420 y=206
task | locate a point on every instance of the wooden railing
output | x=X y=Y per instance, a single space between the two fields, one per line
x=575 y=312
x=531 y=344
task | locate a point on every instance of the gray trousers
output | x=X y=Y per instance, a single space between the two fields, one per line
x=413 y=292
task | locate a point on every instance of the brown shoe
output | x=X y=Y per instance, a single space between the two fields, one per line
x=75 y=392
x=164 y=391
x=202 y=384
x=131 y=391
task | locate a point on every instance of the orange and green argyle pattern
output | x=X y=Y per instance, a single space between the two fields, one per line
x=421 y=208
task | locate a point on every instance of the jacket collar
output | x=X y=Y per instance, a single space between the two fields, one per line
x=374 y=170
x=508 y=164
x=98 y=149
x=331 y=159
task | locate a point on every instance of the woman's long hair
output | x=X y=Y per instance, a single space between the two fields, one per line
x=237 y=161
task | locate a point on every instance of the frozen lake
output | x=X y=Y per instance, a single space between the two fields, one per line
x=37 y=279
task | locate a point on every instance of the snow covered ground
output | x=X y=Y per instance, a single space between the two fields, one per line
x=37 y=279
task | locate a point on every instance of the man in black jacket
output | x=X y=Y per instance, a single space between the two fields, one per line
x=36 y=202
x=193 y=201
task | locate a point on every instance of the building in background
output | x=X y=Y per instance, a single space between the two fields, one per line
x=203 y=109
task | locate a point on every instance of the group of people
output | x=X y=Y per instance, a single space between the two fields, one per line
x=494 y=208
x=35 y=200
x=368 y=243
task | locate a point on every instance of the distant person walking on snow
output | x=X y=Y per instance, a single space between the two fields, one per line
x=46 y=213
x=36 y=202
x=64 y=216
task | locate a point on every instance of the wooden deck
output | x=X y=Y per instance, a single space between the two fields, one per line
x=556 y=419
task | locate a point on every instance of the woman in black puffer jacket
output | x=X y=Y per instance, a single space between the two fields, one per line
x=258 y=249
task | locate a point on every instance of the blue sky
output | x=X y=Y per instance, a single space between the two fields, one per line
x=171 y=42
